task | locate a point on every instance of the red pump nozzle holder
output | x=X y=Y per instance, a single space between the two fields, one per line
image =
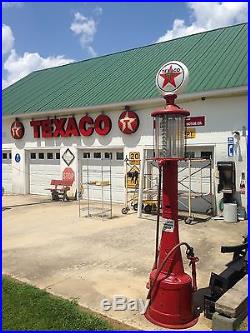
x=170 y=288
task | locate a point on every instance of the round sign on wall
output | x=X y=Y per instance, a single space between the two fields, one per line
x=128 y=122
x=69 y=174
x=171 y=77
x=17 y=158
x=17 y=130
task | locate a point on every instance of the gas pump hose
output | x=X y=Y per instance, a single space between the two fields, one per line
x=190 y=256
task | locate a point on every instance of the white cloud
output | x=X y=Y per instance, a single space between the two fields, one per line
x=12 y=4
x=86 y=29
x=207 y=16
x=7 y=39
x=18 y=67
x=98 y=10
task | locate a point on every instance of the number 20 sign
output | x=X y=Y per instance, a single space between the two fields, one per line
x=134 y=158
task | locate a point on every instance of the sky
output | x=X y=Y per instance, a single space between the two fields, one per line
x=37 y=35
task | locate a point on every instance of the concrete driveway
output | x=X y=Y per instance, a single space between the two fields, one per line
x=47 y=245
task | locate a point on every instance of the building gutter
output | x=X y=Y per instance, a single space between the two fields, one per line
x=136 y=104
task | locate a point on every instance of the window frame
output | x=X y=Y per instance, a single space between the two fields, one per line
x=116 y=156
x=97 y=158
x=41 y=158
x=86 y=155
x=33 y=158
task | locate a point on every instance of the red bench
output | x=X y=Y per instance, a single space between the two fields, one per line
x=60 y=189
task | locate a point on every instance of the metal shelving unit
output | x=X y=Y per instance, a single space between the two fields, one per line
x=96 y=180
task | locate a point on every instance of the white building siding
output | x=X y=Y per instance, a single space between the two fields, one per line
x=223 y=116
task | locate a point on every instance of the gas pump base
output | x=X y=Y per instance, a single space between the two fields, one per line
x=171 y=301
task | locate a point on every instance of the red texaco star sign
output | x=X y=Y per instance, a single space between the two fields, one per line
x=128 y=122
x=169 y=76
x=17 y=130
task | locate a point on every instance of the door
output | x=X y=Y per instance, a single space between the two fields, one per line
x=7 y=171
x=44 y=165
x=103 y=165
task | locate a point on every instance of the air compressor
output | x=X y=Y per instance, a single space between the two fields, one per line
x=171 y=290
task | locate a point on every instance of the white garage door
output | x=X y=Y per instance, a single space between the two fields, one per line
x=7 y=171
x=96 y=167
x=44 y=165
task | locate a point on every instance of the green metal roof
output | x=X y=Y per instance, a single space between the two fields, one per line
x=216 y=59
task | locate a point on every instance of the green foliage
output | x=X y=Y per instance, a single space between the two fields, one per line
x=29 y=308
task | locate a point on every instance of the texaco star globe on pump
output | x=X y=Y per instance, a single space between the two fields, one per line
x=172 y=77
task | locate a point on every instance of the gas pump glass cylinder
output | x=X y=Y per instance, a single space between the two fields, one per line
x=169 y=132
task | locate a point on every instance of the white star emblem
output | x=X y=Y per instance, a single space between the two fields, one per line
x=127 y=122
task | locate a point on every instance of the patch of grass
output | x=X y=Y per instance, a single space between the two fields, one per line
x=29 y=308
x=244 y=325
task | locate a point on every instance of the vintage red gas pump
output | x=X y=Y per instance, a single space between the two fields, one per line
x=170 y=288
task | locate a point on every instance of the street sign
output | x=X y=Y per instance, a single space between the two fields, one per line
x=190 y=133
x=230 y=149
x=134 y=158
x=171 y=77
x=132 y=177
x=195 y=121
x=17 y=158
x=69 y=174
x=68 y=157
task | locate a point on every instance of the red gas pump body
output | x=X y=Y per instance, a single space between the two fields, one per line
x=171 y=289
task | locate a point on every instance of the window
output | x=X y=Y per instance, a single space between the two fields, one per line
x=50 y=156
x=10 y=156
x=206 y=154
x=58 y=156
x=41 y=156
x=108 y=155
x=86 y=155
x=97 y=155
x=32 y=156
x=119 y=156
x=190 y=154
x=5 y=156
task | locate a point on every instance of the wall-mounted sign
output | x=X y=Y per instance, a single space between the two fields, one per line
x=17 y=158
x=230 y=150
x=190 y=133
x=132 y=177
x=134 y=158
x=66 y=127
x=171 y=77
x=17 y=130
x=69 y=174
x=68 y=157
x=230 y=146
x=195 y=121
x=128 y=122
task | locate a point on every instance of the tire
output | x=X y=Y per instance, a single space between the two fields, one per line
x=188 y=220
x=125 y=210
x=148 y=209
x=135 y=207
x=154 y=208
x=55 y=196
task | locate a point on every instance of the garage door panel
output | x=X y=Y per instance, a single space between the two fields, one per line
x=7 y=171
x=98 y=170
x=42 y=171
